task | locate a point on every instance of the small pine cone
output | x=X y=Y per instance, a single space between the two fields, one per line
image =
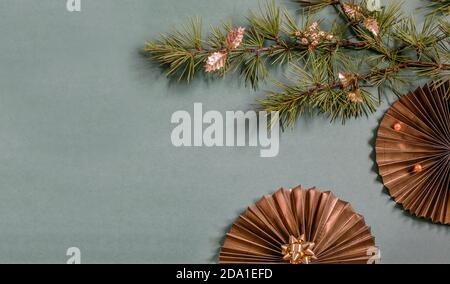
x=346 y=79
x=312 y=46
x=354 y=12
x=313 y=27
x=372 y=25
x=235 y=38
x=355 y=97
x=215 y=61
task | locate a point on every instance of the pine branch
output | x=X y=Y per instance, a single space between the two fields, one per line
x=336 y=98
x=270 y=38
x=399 y=51
x=331 y=70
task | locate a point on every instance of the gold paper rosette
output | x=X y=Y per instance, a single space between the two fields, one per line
x=299 y=226
x=413 y=152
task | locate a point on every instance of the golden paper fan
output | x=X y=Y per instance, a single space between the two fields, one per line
x=299 y=226
x=413 y=152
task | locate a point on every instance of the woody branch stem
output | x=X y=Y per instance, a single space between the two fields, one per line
x=374 y=73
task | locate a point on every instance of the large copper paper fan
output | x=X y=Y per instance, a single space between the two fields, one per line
x=299 y=226
x=413 y=152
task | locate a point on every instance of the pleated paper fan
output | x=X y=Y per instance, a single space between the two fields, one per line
x=299 y=226
x=413 y=152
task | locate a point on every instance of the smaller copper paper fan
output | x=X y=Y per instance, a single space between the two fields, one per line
x=299 y=226
x=413 y=152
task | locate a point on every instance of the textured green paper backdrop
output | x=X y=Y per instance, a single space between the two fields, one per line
x=86 y=157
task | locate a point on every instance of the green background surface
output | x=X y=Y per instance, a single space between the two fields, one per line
x=86 y=156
